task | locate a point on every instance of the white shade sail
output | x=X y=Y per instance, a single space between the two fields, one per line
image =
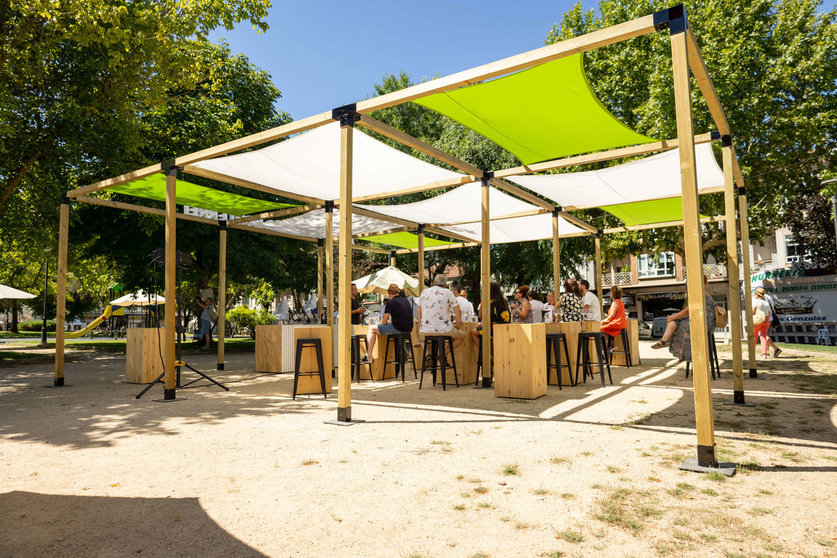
x=139 y=298
x=460 y=205
x=651 y=178
x=309 y=165
x=12 y=293
x=517 y=229
x=312 y=224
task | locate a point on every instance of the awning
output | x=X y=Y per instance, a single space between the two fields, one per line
x=12 y=293
x=405 y=240
x=309 y=165
x=154 y=188
x=517 y=229
x=542 y=113
x=312 y=225
x=647 y=212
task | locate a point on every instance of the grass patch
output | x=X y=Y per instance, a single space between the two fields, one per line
x=825 y=542
x=480 y=490
x=556 y=554
x=615 y=510
x=479 y=555
x=509 y=470
x=708 y=537
x=541 y=491
x=460 y=477
x=681 y=536
x=567 y=495
x=715 y=476
x=459 y=507
x=612 y=469
x=439 y=443
x=309 y=462
x=465 y=494
x=710 y=492
x=558 y=460
x=571 y=536
x=9 y=356
x=484 y=505
x=521 y=525
x=681 y=489
x=756 y=512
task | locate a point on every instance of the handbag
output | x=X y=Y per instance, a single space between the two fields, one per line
x=759 y=316
x=720 y=317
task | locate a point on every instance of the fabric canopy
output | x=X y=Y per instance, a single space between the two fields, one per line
x=12 y=293
x=460 y=205
x=139 y=298
x=378 y=281
x=646 y=212
x=517 y=229
x=312 y=225
x=154 y=188
x=404 y=240
x=542 y=113
x=651 y=178
x=309 y=165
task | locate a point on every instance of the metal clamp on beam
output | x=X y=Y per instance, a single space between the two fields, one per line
x=347 y=115
x=599 y=233
x=714 y=136
x=321 y=242
x=169 y=167
x=556 y=210
x=329 y=206
x=673 y=18
x=742 y=191
x=486 y=177
x=63 y=199
x=726 y=140
x=222 y=224
x=420 y=229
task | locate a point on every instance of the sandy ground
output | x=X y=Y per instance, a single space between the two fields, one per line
x=87 y=470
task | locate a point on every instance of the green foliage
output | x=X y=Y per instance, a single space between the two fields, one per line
x=35 y=325
x=242 y=316
x=264 y=294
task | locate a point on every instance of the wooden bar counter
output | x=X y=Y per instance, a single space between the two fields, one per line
x=520 y=360
x=142 y=354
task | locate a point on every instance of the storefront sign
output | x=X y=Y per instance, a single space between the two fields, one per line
x=800 y=294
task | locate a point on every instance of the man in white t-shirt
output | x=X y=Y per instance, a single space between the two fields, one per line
x=590 y=302
x=465 y=305
x=435 y=307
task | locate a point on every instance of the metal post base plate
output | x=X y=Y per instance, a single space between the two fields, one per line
x=691 y=464
x=343 y=422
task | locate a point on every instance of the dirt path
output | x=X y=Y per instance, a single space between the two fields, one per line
x=90 y=471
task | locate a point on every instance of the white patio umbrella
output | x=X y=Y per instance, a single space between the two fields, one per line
x=139 y=298
x=10 y=292
x=378 y=281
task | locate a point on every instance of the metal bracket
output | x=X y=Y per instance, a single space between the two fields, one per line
x=420 y=229
x=742 y=191
x=169 y=168
x=599 y=233
x=321 y=242
x=63 y=200
x=556 y=210
x=726 y=140
x=329 y=206
x=222 y=224
x=673 y=18
x=347 y=115
x=486 y=177
x=714 y=136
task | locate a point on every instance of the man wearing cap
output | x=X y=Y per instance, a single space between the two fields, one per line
x=397 y=318
x=436 y=306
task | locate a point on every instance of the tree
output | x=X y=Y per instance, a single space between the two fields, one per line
x=773 y=64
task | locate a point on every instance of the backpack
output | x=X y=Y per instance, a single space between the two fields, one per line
x=720 y=317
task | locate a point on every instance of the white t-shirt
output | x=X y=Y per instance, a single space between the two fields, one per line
x=595 y=311
x=437 y=306
x=763 y=305
x=467 y=309
x=537 y=311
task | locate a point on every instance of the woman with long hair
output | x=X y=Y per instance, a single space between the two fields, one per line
x=569 y=302
x=499 y=311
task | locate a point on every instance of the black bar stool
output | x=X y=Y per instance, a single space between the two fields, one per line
x=317 y=345
x=583 y=355
x=626 y=347
x=356 y=362
x=479 y=368
x=714 y=363
x=403 y=345
x=553 y=340
x=436 y=344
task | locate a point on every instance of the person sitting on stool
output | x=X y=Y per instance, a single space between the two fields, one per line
x=397 y=318
x=615 y=321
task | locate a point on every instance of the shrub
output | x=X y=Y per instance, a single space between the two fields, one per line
x=241 y=316
x=35 y=325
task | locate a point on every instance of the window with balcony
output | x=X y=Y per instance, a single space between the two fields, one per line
x=794 y=252
x=660 y=265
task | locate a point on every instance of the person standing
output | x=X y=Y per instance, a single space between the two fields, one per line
x=537 y=307
x=464 y=304
x=550 y=309
x=357 y=308
x=499 y=311
x=436 y=306
x=521 y=309
x=762 y=330
x=206 y=322
x=570 y=302
x=590 y=302
x=397 y=318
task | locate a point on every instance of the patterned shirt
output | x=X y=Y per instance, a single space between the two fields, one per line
x=571 y=308
x=437 y=306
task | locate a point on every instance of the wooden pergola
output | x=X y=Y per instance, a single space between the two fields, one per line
x=686 y=60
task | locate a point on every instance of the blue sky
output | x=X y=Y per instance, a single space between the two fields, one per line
x=325 y=53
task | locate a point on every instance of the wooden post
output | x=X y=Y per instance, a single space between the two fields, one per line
x=485 y=285
x=61 y=291
x=222 y=291
x=169 y=391
x=344 y=258
x=320 y=249
x=599 y=287
x=392 y=258
x=556 y=254
x=693 y=248
x=420 y=234
x=748 y=294
x=329 y=261
x=734 y=296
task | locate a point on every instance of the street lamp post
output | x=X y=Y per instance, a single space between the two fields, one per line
x=46 y=284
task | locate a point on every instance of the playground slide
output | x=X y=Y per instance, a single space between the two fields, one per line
x=109 y=311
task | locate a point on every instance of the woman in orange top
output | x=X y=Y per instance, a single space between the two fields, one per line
x=615 y=321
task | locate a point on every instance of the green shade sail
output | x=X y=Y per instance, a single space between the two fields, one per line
x=154 y=188
x=648 y=212
x=405 y=240
x=543 y=113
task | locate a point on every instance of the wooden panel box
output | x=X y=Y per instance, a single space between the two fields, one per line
x=520 y=360
x=311 y=384
x=142 y=355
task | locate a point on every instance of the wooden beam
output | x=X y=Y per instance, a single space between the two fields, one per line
x=583 y=43
x=663 y=225
x=485 y=284
x=344 y=258
x=570 y=218
x=528 y=213
x=392 y=258
x=197 y=171
x=170 y=282
x=222 y=293
x=116 y=181
x=408 y=140
x=61 y=291
x=704 y=82
x=381 y=217
x=734 y=296
x=743 y=221
x=385 y=231
x=366 y=248
x=435 y=248
x=556 y=256
x=320 y=250
x=598 y=270
x=259 y=138
x=443 y=232
x=420 y=259
x=599 y=157
x=465 y=179
x=275 y=214
x=694 y=254
x=516 y=190
x=329 y=265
